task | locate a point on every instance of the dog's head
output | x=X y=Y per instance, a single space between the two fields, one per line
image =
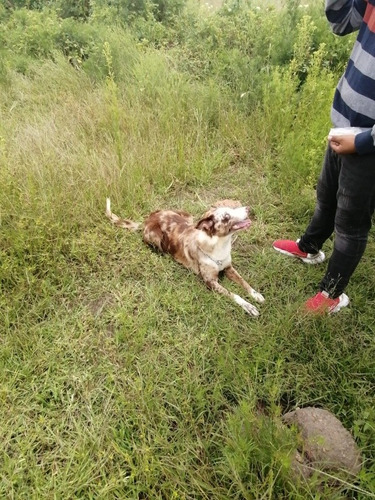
x=224 y=218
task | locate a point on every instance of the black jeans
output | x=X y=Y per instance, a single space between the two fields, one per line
x=345 y=205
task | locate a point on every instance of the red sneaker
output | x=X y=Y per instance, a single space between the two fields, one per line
x=321 y=303
x=290 y=248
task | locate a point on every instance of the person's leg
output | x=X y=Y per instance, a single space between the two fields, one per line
x=308 y=247
x=355 y=207
x=322 y=223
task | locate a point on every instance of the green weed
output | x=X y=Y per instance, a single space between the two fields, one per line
x=121 y=375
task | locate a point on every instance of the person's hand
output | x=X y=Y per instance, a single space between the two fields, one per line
x=342 y=144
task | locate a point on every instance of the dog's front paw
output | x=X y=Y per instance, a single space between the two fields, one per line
x=258 y=297
x=246 y=306
x=250 y=309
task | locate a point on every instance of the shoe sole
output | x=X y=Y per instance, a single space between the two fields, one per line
x=316 y=259
x=344 y=301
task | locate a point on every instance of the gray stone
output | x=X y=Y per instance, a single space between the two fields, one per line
x=326 y=445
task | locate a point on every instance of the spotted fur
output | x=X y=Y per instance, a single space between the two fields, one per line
x=203 y=246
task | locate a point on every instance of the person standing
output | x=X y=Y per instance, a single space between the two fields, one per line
x=346 y=186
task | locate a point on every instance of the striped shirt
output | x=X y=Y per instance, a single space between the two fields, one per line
x=354 y=101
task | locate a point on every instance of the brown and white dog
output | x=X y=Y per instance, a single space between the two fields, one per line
x=204 y=246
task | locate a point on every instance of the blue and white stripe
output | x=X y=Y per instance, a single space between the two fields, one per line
x=354 y=101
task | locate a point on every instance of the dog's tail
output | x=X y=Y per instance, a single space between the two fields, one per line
x=125 y=223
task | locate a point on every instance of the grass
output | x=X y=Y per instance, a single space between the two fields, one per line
x=121 y=375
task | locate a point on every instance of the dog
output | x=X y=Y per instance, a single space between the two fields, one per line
x=203 y=247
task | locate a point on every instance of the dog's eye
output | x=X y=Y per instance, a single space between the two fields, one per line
x=226 y=218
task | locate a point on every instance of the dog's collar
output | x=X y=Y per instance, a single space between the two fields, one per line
x=217 y=262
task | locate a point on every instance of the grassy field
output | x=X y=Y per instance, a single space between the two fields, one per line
x=121 y=375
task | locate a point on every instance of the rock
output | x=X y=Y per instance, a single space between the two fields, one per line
x=326 y=445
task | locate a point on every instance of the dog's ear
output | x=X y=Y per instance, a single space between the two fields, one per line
x=206 y=224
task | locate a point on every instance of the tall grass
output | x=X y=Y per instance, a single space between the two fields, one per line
x=121 y=376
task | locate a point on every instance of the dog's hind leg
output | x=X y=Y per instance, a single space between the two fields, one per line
x=246 y=306
x=233 y=275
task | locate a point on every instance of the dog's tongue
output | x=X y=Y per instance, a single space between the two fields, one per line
x=242 y=225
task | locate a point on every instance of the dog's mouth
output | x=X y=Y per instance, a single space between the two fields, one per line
x=244 y=224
